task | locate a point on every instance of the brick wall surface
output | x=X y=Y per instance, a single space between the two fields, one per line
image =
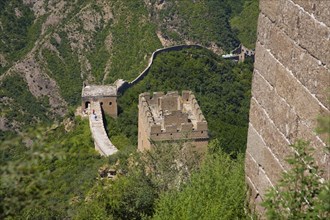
x=289 y=90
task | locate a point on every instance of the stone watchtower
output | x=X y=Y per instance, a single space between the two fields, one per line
x=171 y=117
x=106 y=95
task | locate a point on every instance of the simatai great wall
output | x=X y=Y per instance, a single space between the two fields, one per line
x=94 y=102
x=290 y=88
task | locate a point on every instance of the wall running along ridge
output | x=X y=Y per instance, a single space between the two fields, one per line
x=290 y=88
x=123 y=85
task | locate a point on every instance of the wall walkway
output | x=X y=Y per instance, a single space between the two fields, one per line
x=102 y=142
x=101 y=139
x=122 y=85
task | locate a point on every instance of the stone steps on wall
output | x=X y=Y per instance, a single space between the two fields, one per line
x=101 y=139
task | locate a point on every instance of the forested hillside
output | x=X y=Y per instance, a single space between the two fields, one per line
x=53 y=46
x=48 y=48
x=54 y=165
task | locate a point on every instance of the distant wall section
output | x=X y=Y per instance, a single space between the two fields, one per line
x=124 y=85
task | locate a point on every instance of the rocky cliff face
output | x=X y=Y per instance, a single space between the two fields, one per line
x=290 y=88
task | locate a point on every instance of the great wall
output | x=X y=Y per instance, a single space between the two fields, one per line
x=169 y=117
x=122 y=85
x=101 y=141
x=238 y=54
x=97 y=95
x=289 y=89
x=93 y=96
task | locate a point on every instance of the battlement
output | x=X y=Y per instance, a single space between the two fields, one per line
x=170 y=116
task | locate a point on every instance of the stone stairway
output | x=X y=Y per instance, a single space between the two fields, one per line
x=101 y=139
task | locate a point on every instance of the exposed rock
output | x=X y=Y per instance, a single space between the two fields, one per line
x=40 y=84
x=18 y=13
x=3 y=61
x=37 y=6
x=108 y=42
x=3 y=124
x=215 y=48
x=57 y=38
x=164 y=41
x=57 y=11
x=68 y=124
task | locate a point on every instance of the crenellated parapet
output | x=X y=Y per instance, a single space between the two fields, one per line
x=170 y=117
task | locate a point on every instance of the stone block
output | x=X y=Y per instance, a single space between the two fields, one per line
x=262 y=154
x=186 y=96
x=251 y=166
x=154 y=129
x=186 y=127
x=169 y=103
x=262 y=90
x=198 y=134
x=315 y=38
x=272 y=137
x=201 y=126
x=300 y=26
x=278 y=110
x=171 y=128
x=304 y=67
x=322 y=157
x=320 y=9
x=305 y=105
x=260 y=180
x=264 y=27
x=264 y=63
x=269 y=8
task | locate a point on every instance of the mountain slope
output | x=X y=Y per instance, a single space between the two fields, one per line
x=55 y=45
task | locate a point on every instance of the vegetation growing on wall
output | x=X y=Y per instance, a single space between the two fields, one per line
x=216 y=191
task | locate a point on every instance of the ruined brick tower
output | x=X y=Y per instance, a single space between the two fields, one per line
x=289 y=88
x=171 y=117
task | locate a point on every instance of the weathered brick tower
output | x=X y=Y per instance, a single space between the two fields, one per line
x=170 y=117
x=290 y=88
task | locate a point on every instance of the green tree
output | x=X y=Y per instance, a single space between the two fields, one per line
x=216 y=191
x=301 y=193
x=170 y=164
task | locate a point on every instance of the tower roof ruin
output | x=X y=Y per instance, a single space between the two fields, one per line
x=99 y=91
